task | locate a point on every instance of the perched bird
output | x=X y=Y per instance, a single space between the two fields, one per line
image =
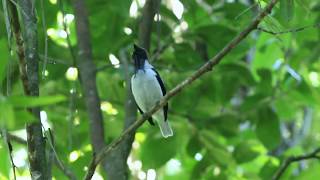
x=147 y=89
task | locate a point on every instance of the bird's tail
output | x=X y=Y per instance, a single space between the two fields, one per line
x=165 y=128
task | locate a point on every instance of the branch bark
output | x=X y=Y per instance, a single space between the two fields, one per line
x=145 y=26
x=20 y=49
x=28 y=56
x=87 y=69
x=287 y=162
x=203 y=69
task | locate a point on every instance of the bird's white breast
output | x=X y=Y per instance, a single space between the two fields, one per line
x=146 y=89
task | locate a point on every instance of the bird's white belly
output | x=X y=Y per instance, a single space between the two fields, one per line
x=146 y=89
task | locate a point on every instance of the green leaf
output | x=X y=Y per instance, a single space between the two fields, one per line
x=29 y=101
x=253 y=102
x=240 y=70
x=200 y=167
x=311 y=173
x=287 y=9
x=268 y=130
x=5 y=164
x=156 y=151
x=193 y=146
x=268 y=169
x=210 y=33
x=4 y=59
x=245 y=151
x=7 y=113
x=265 y=83
x=24 y=116
x=216 y=150
x=226 y=124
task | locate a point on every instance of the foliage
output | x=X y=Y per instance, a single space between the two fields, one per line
x=237 y=122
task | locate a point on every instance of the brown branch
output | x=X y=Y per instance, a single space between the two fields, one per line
x=36 y=151
x=205 y=68
x=28 y=55
x=87 y=71
x=20 y=49
x=288 y=161
x=145 y=26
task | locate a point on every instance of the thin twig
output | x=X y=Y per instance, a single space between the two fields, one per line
x=202 y=70
x=65 y=28
x=161 y=49
x=7 y=141
x=51 y=60
x=290 y=30
x=58 y=162
x=288 y=161
x=246 y=10
x=106 y=66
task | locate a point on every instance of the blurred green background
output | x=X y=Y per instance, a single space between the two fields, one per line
x=239 y=121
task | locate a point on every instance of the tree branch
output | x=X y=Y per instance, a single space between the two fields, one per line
x=288 y=161
x=20 y=49
x=145 y=26
x=87 y=69
x=205 y=68
x=29 y=64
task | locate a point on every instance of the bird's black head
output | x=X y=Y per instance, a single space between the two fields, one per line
x=139 y=56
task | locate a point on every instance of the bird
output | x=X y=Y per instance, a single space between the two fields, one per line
x=148 y=88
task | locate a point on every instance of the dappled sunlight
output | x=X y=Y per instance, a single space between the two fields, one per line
x=173 y=166
x=74 y=155
x=44 y=120
x=177 y=8
x=198 y=156
x=133 y=9
x=114 y=60
x=127 y=30
x=108 y=108
x=314 y=79
x=72 y=74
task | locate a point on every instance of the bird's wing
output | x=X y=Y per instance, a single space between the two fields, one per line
x=163 y=89
x=150 y=120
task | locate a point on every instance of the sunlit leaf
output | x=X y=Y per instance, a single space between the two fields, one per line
x=7 y=113
x=287 y=9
